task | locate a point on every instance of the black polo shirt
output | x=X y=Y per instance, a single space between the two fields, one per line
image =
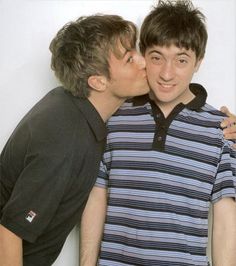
x=47 y=169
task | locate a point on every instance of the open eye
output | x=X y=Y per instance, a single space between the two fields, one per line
x=156 y=59
x=182 y=61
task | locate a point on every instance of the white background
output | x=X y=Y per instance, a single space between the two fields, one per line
x=28 y=26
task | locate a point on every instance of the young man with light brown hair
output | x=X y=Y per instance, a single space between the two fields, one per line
x=50 y=162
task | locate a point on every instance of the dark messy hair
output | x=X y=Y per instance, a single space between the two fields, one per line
x=82 y=48
x=175 y=22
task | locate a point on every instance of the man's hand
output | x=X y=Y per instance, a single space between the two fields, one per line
x=229 y=124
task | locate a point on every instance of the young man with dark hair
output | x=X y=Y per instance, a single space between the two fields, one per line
x=166 y=158
x=50 y=163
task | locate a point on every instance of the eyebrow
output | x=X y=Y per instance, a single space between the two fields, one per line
x=158 y=52
x=154 y=51
x=183 y=53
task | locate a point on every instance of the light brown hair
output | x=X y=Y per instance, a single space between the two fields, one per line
x=82 y=48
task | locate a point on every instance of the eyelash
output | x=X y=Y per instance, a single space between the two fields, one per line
x=183 y=61
x=158 y=59
x=130 y=59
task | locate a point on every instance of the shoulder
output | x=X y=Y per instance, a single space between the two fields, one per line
x=57 y=103
x=53 y=121
x=210 y=114
x=54 y=111
x=207 y=122
x=213 y=112
x=132 y=107
x=205 y=113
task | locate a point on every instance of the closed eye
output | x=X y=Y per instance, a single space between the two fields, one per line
x=130 y=59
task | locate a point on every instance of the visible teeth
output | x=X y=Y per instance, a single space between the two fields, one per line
x=166 y=85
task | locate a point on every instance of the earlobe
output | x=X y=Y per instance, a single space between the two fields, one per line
x=97 y=83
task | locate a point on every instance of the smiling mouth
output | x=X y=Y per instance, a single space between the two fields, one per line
x=166 y=86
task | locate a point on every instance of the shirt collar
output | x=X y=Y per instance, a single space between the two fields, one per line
x=200 y=97
x=95 y=121
x=196 y=104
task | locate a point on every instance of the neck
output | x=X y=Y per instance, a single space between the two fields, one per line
x=105 y=107
x=167 y=107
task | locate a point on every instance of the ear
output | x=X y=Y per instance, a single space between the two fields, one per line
x=197 y=65
x=97 y=83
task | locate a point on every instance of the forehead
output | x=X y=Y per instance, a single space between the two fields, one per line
x=170 y=50
x=121 y=47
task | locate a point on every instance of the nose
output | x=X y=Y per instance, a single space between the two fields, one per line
x=140 y=61
x=167 y=71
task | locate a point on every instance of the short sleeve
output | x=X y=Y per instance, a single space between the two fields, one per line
x=40 y=186
x=102 y=179
x=225 y=181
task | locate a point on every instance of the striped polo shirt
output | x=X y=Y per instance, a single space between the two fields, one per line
x=162 y=174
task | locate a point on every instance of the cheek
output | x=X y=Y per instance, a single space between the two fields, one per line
x=186 y=74
x=151 y=74
x=187 y=77
x=152 y=69
x=132 y=75
x=148 y=67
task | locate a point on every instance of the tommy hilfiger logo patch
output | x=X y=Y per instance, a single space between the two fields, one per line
x=30 y=216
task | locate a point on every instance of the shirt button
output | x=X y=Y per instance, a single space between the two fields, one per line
x=159 y=138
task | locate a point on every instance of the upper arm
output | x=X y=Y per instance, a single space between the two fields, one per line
x=10 y=247
x=91 y=227
x=96 y=205
x=225 y=177
x=224 y=232
x=38 y=185
x=224 y=214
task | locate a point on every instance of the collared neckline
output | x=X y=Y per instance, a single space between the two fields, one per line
x=196 y=104
x=200 y=97
x=95 y=121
